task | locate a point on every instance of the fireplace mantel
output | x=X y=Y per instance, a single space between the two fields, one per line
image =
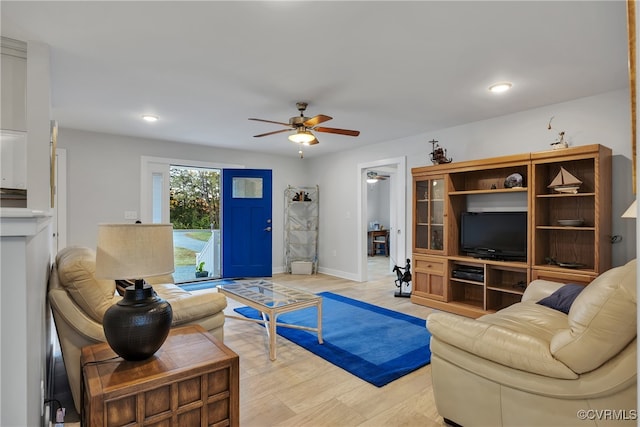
x=25 y=252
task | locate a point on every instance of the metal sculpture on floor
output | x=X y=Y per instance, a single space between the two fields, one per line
x=403 y=278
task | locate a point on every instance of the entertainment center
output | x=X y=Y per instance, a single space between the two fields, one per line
x=480 y=236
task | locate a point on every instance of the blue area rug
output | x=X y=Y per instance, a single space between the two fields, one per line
x=373 y=343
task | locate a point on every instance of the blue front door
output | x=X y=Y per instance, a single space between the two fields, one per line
x=246 y=223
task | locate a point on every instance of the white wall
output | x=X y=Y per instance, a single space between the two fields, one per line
x=38 y=127
x=378 y=203
x=603 y=119
x=103 y=171
x=103 y=175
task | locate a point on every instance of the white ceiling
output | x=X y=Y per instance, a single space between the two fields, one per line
x=387 y=68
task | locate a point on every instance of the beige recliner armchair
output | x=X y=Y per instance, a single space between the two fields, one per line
x=78 y=301
x=532 y=365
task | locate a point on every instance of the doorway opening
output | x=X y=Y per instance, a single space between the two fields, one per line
x=381 y=207
x=379 y=223
x=194 y=211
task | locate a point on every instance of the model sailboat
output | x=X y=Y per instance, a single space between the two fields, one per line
x=564 y=182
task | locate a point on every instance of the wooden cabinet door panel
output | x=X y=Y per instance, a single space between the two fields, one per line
x=428 y=277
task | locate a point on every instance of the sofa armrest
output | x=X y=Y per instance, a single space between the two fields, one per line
x=66 y=310
x=188 y=306
x=539 y=289
x=498 y=344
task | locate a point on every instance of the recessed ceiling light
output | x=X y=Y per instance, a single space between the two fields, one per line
x=500 y=87
x=149 y=118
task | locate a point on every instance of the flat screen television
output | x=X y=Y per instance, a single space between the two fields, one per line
x=494 y=235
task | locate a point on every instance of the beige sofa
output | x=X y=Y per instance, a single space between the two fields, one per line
x=531 y=365
x=78 y=302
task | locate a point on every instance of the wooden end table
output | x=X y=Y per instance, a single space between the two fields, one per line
x=192 y=380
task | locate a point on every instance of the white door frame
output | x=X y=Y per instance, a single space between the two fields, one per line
x=398 y=217
x=60 y=201
x=160 y=165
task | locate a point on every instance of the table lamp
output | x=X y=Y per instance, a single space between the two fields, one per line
x=632 y=210
x=139 y=323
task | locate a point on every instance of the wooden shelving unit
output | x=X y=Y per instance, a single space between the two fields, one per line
x=301 y=226
x=586 y=247
x=582 y=250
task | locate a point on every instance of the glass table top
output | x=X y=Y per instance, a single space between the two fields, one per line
x=267 y=293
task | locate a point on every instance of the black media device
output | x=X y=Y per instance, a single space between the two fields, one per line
x=469 y=273
x=494 y=235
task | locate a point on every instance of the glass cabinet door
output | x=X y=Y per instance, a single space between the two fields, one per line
x=429 y=214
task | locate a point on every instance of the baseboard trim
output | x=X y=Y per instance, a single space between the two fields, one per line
x=339 y=273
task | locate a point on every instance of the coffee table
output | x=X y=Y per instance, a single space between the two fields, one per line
x=272 y=299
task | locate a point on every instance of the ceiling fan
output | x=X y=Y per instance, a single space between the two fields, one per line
x=373 y=177
x=304 y=125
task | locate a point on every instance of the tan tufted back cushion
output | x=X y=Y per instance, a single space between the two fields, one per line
x=602 y=321
x=76 y=271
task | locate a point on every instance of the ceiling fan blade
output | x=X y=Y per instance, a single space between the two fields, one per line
x=316 y=120
x=339 y=131
x=271 y=121
x=271 y=133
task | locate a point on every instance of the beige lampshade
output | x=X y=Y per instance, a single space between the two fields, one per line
x=632 y=210
x=134 y=251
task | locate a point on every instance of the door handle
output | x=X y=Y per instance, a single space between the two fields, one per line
x=267 y=229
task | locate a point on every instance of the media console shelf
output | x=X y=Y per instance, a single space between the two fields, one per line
x=567 y=232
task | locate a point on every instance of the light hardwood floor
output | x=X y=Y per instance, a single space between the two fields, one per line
x=301 y=389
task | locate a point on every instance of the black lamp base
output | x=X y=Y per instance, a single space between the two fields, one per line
x=137 y=326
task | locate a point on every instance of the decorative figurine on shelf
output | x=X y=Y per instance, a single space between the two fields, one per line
x=565 y=182
x=436 y=240
x=403 y=278
x=560 y=143
x=514 y=180
x=438 y=154
x=302 y=196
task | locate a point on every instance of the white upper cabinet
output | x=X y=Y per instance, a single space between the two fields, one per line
x=13 y=63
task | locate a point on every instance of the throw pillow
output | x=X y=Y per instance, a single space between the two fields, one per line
x=562 y=299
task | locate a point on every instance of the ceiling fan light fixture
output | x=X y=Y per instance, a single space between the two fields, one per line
x=302 y=137
x=304 y=125
x=371 y=177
